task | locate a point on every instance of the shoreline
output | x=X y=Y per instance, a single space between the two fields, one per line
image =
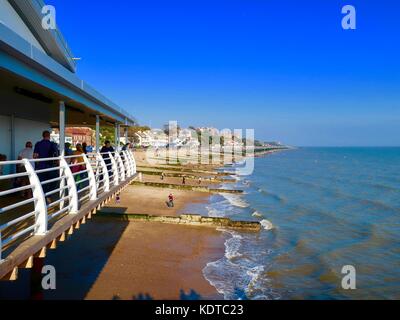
x=121 y=258
x=157 y=260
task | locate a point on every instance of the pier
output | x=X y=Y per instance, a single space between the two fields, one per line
x=30 y=235
x=41 y=92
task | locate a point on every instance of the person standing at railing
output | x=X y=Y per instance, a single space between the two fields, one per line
x=84 y=147
x=107 y=147
x=104 y=151
x=68 y=150
x=126 y=147
x=77 y=165
x=3 y=157
x=46 y=149
x=26 y=153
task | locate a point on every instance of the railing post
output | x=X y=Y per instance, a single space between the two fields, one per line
x=133 y=161
x=41 y=217
x=127 y=164
x=62 y=191
x=1 y=249
x=114 y=168
x=92 y=178
x=104 y=171
x=129 y=160
x=120 y=165
x=72 y=189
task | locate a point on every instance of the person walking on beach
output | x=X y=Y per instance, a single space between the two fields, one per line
x=162 y=176
x=199 y=181
x=184 y=180
x=171 y=200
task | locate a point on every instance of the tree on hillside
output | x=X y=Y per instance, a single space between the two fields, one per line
x=107 y=133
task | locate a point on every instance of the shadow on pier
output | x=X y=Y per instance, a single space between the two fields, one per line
x=78 y=262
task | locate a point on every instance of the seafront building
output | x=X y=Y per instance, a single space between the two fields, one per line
x=38 y=83
x=155 y=138
x=40 y=90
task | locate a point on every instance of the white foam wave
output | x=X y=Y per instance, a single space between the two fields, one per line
x=235 y=276
x=232 y=246
x=257 y=214
x=267 y=225
x=235 y=200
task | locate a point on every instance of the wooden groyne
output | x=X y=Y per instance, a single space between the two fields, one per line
x=184 y=187
x=187 y=219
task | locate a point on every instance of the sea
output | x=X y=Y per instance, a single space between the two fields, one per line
x=322 y=210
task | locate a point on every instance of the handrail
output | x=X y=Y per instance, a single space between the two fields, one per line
x=52 y=184
x=114 y=169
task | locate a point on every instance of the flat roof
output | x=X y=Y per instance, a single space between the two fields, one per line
x=23 y=59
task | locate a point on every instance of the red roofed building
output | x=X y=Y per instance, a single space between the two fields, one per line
x=80 y=135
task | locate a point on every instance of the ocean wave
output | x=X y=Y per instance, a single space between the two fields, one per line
x=384 y=187
x=379 y=205
x=240 y=273
x=232 y=246
x=222 y=207
x=236 y=276
x=272 y=195
x=267 y=225
x=257 y=214
x=236 y=200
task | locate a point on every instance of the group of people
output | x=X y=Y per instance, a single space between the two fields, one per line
x=45 y=149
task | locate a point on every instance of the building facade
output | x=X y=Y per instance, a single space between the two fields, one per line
x=39 y=87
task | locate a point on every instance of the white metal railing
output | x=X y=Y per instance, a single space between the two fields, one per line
x=54 y=187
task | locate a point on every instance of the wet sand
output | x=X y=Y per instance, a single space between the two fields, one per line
x=159 y=261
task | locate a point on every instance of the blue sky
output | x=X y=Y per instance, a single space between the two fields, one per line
x=283 y=67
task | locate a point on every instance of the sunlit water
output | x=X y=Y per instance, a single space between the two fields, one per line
x=322 y=208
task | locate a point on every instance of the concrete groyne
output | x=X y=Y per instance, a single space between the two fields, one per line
x=190 y=176
x=187 y=219
x=186 y=170
x=185 y=187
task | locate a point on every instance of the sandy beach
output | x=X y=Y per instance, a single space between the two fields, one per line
x=151 y=200
x=159 y=261
x=128 y=260
x=155 y=260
